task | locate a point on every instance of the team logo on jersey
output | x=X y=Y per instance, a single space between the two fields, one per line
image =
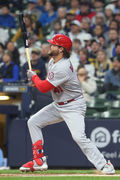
x=58 y=90
x=50 y=75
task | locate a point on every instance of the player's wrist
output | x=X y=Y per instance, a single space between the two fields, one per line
x=34 y=76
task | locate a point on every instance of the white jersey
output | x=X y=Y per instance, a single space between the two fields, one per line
x=63 y=77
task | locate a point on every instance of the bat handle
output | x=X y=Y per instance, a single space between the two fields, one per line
x=28 y=58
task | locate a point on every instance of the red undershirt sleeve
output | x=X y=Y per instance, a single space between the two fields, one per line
x=43 y=85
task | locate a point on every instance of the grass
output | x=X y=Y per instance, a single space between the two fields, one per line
x=60 y=178
x=35 y=176
x=50 y=171
x=54 y=171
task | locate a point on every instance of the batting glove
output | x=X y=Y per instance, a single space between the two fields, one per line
x=30 y=74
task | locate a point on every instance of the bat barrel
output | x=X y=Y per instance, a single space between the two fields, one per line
x=25 y=38
x=23 y=29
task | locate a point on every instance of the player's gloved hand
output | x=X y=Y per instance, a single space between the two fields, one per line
x=30 y=74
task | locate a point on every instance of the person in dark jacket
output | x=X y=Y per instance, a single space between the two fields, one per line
x=9 y=72
x=6 y=20
x=112 y=77
x=14 y=51
x=37 y=64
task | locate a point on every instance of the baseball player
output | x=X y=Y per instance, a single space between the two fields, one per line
x=69 y=106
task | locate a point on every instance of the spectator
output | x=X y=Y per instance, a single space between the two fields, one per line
x=84 y=60
x=113 y=38
x=112 y=77
x=57 y=29
x=85 y=11
x=9 y=72
x=98 y=31
x=102 y=65
x=75 y=6
x=14 y=52
x=28 y=24
x=109 y=9
x=62 y=11
x=88 y=84
x=44 y=52
x=86 y=25
x=74 y=58
x=33 y=10
x=2 y=48
x=113 y=24
x=33 y=29
x=116 y=51
x=6 y=20
x=37 y=64
x=117 y=16
x=75 y=32
x=47 y=17
x=37 y=31
x=98 y=5
x=117 y=6
x=40 y=5
x=99 y=19
x=69 y=18
x=87 y=40
x=102 y=42
x=95 y=46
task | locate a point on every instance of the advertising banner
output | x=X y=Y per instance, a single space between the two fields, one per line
x=105 y=133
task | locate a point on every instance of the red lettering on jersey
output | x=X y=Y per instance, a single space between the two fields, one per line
x=58 y=90
x=50 y=75
x=71 y=67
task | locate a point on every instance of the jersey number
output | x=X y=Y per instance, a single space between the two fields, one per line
x=58 y=90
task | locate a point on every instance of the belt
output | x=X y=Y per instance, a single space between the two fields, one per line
x=65 y=102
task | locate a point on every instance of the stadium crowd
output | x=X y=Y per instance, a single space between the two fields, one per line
x=93 y=27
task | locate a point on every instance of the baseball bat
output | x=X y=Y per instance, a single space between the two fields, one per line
x=25 y=38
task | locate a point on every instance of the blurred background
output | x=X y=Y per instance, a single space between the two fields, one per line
x=94 y=28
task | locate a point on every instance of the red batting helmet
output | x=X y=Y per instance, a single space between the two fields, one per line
x=61 y=40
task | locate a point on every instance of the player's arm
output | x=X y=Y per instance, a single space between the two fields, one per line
x=43 y=85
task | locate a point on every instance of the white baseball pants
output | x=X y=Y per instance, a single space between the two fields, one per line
x=73 y=114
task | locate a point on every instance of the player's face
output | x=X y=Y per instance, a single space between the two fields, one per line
x=54 y=50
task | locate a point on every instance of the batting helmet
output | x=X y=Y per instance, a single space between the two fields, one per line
x=61 y=40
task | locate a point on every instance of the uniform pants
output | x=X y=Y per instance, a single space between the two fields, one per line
x=73 y=114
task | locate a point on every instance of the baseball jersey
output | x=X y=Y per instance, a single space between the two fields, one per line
x=63 y=77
